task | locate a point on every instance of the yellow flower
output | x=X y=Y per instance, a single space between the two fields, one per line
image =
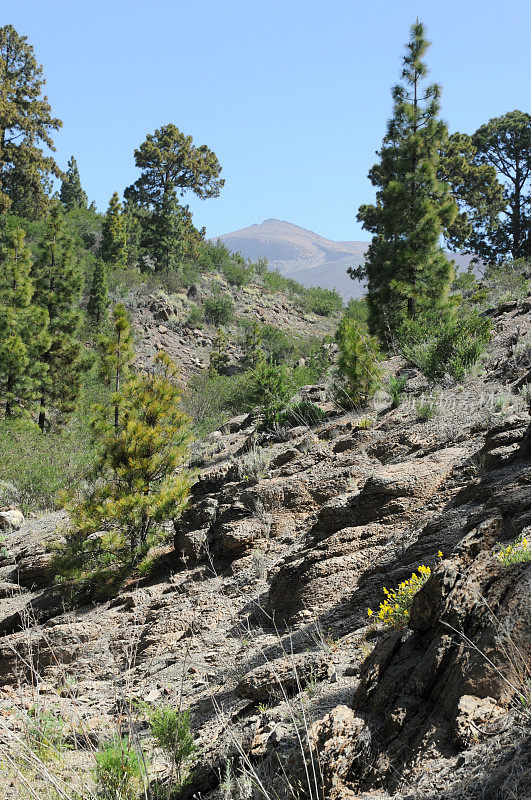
x=439 y=554
x=369 y=612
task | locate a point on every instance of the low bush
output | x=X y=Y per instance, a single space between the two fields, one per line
x=426 y=408
x=42 y=466
x=517 y=553
x=196 y=317
x=171 y=731
x=218 y=310
x=395 y=609
x=302 y=413
x=324 y=302
x=254 y=464
x=441 y=346
x=357 y=309
x=395 y=388
x=119 y=770
x=237 y=273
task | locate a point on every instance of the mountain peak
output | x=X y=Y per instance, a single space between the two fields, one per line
x=300 y=253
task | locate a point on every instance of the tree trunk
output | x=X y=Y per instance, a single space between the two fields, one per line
x=516 y=216
x=42 y=415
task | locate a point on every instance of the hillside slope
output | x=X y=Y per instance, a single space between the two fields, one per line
x=257 y=618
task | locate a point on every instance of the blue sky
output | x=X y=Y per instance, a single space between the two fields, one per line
x=292 y=95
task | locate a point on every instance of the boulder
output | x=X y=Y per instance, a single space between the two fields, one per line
x=11 y=519
x=282 y=677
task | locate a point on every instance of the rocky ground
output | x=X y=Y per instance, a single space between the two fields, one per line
x=257 y=621
x=160 y=321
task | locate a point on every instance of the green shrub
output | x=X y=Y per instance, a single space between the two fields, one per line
x=170 y=729
x=210 y=399
x=324 y=302
x=276 y=282
x=218 y=310
x=426 y=408
x=45 y=733
x=271 y=386
x=196 y=317
x=357 y=309
x=277 y=345
x=43 y=465
x=302 y=413
x=118 y=770
x=236 y=273
x=359 y=362
x=395 y=388
x=441 y=346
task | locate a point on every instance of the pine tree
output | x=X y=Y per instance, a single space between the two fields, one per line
x=72 y=194
x=252 y=345
x=219 y=356
x=505 y=143
x=169 y=160
x=26 y=123
x=358 y=361
x=132 y=216
x=164 y=233
x=98 y=298
x=406 y=268
x=116 y=355
x=23 y=327
x=114 y=242
x=138 y=476
x=58 y=283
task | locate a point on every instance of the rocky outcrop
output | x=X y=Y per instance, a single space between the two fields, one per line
x=257 y=621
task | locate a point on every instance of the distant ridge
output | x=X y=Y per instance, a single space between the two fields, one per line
x=304 y=255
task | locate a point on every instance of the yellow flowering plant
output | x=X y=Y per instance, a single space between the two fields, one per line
x=516 y=553
x=394 y=610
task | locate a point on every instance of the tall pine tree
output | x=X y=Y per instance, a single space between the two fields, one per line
x=98 y=299
x=406 y=268
x=114 y=242
x=23 y=327
x=26 y=125
x=72 y=194
x=116 y=355
x=165 y=233
x=58 y=284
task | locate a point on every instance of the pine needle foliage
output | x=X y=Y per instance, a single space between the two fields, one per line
x=137 y=476
x=114 y=241
x=116 y=354
x=72 y=194
x=358 y=361
x=98 y=297
x=24 y=333
x=26 y=128
x=58 y=283
x=406 y=268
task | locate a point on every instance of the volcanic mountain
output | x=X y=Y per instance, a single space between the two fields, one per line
x=305 y=256
x=300 y=254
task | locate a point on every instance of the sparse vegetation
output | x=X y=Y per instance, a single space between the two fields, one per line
x=440 y=345
x=516 y=553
